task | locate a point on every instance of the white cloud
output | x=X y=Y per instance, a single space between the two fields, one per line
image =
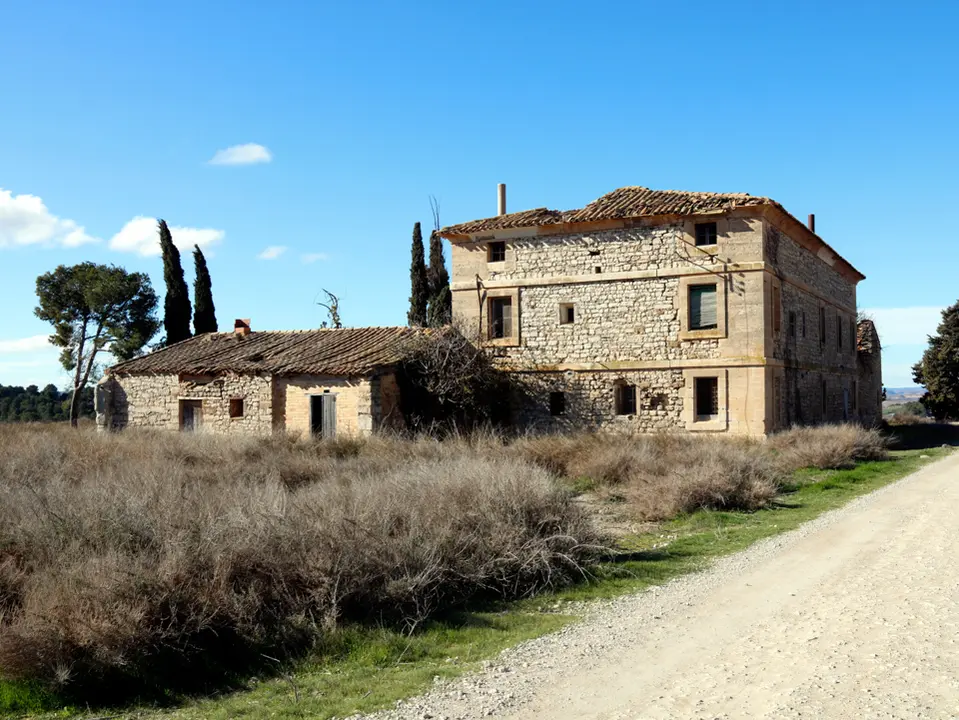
x=905 y=326
x=28 y=344
x=25 y=220
x=140 y=236
x=248 y=154
x=272 y=252
x=313 y=257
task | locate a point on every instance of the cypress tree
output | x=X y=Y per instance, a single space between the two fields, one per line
x=204 y=312
x=176 y=304
x=419 y=284
x=441 y=301
x=938 y=371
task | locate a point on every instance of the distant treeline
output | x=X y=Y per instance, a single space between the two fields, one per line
x=30 y=404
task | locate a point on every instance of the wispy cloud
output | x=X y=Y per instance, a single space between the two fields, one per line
x=272 y=252
x=247 y=154
x=313 y=257
x=905 y=325
x=25 y=345
x=140 y=236
x=25 y=220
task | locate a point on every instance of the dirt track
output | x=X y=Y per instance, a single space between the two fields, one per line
x=854 y=615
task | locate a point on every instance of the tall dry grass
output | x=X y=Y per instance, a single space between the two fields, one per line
x=154 y=561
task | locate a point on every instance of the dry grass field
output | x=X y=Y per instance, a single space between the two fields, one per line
x=155 y=562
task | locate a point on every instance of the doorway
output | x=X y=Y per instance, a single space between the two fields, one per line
x=191 y=415
x=323 y=416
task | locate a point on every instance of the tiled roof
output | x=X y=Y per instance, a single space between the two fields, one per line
x=867 y=338
x=626 y=202
x=347 y=351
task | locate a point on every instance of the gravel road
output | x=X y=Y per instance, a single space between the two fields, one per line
x=853 y=615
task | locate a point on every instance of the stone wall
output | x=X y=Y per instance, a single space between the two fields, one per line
x=354 y=405
x=153 y=401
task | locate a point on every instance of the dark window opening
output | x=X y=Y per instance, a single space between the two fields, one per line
x=838 y=333
x=777 y=310
x=824 y=398
x=702 y=307
x=557 y=403
x=597 y=270
x=804 y=323
x=236 y=408
x=705 y=233
x=792 y=324
x=657 y=402
x=567 y=314
x=625 y=399
x=593 y=253
x=706 y=391
x=496 y=252
x=822 y=326
x=501 y=317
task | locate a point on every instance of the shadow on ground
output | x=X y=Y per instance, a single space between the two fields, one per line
x=922 y=436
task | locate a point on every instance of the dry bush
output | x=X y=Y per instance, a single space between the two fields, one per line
x=902 y=418
x=153 y=561
x=828 y=446
x=661 y=476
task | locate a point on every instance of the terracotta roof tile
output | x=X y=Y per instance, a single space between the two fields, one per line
x=626 y=202
x=347 y=351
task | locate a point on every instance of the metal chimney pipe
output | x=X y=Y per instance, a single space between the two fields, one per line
x=501 y=196
x=812 y=222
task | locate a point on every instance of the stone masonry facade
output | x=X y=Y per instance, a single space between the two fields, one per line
x=596 y=307
x=269 y=403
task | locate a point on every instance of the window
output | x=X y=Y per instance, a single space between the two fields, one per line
x=777 y=310
x=792 y=323
x=804 y=323
x=706 y=398
x=855 y=396
x=705 y=233
x=657 y=402
x=496 y=252
x=625 y=399
x=702 y=307
x=824 y=398
x=822 y=326
x=852 y=334
x=557 y=403
x=500 y=317
x=597 y=270
x=567 y=314
x=838 y=333
x=236 y=407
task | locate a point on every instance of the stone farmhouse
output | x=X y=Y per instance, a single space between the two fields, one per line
x=653 y=310
x=318 y=382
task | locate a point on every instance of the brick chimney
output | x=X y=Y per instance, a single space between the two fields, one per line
x=812 y=222
x=241 y=327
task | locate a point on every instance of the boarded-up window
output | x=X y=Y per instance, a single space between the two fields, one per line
x=625 y=399
x=557 y=403
x=706 y=400
x=501 y=317
x=702 y=307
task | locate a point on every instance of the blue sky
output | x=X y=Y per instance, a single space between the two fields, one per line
x=356 y=113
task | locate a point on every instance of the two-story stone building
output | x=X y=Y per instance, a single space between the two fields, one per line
x=665 y=310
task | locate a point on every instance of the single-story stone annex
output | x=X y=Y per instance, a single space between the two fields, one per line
x=319 y=382
x=644 y=311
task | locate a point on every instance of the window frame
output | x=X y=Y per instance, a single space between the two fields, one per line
x=564 y=313
x=822 y=326
x=706 y=226
x=684 y=307
x=505 y=319
x=495 y=248
x=695 y=422
x=237 y=408
x=626 y=399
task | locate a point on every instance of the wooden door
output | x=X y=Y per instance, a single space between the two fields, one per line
x=191 y=415
x=323 y=416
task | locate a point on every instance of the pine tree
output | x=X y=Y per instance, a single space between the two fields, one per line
x=204 y=312
x=176 y=304
x=419 y=284
x=938 y=370
x=441 y=302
